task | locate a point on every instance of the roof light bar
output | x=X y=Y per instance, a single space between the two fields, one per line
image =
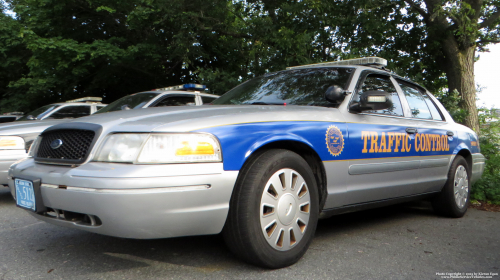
x=367 y=61
x=86 y=99
x=184 y=87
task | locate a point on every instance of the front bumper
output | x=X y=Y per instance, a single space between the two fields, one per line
x=135 y=201
x=7 y=158
x=478 y=163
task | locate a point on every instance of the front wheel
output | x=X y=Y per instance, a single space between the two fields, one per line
x=454 y=197
x=273 y=211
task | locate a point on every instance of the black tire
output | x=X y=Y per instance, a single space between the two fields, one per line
x=243 y=232
x=445 y=203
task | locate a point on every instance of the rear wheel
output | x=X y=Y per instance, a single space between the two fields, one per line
x=454 y=198
x=273 y=211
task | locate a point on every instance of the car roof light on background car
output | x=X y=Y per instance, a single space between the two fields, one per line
x=186 y=87
x=85 y=99
x=365 y=61
x=13 y=114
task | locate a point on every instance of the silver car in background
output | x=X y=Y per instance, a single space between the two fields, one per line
x=23 y=133
x=16 y=137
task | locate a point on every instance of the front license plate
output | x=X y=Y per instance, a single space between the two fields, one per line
x=25 y=194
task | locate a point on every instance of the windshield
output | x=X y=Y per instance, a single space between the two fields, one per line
x=133 y=101
x=293 y=87
x=39 y=113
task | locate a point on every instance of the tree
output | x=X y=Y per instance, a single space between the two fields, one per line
x=459 y=28
x=13 y=58
x=110 y=49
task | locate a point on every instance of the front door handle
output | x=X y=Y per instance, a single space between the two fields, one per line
x=450 y=133
x=411 y=130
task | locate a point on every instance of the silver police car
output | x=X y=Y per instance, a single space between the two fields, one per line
x=260 y=165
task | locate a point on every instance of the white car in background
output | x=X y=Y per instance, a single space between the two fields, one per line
x=187 y=94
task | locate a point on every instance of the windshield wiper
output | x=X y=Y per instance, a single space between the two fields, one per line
x=265 y=103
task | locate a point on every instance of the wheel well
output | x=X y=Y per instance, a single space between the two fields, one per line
x=468 y=157
x=309 y=155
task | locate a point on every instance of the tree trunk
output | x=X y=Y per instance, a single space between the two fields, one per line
x=460 y=75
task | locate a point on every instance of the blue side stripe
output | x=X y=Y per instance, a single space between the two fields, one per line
x=239 y=141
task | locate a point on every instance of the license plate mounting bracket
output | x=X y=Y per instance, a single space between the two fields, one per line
x=37 y=184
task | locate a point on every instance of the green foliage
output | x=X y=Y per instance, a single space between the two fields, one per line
x=110 y=49
x=13 y=59
x=55 y=50
x=451 y=101
x=488 y=187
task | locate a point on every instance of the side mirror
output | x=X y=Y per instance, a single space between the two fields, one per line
x=373 y=100
x=30 y=117
x=334 y=94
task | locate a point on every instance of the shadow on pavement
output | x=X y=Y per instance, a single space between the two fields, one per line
x=73 y=251
x=5 y=196
x=369 y=218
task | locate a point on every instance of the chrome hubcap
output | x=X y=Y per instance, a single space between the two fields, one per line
x=284 y=209
x=461 y=186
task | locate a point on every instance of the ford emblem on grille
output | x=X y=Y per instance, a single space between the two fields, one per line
x=56 y=144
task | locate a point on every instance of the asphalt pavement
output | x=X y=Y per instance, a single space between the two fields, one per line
x=399 y=242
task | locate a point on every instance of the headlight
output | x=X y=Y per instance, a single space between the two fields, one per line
x=189 y=147
x=160 y=148
x=11 y=143
x=122 y=147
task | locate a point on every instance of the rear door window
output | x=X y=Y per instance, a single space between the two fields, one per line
x=133 y=101
x=176 y=100
x=39 y=113
x=71 y=112
x=415 y=98
x=436 y=115
x=7 y=119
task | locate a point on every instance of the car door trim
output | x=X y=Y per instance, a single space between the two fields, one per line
x=428 y=163
x=373 y=204
x=368 y=168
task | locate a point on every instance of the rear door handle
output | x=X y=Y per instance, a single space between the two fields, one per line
x=450 y=133
x=411 y=130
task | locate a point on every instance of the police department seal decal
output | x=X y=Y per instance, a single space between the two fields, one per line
x=334 y=140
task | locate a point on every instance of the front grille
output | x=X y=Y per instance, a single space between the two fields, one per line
x=75 y=145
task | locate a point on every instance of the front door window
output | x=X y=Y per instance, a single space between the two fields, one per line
x=381 y=83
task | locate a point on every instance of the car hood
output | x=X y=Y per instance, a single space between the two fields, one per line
x=187 y=118
x=21 y=128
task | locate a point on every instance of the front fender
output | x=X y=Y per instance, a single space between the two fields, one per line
x=239 y=141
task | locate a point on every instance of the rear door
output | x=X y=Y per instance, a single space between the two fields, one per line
x=383 y=162
x=434 y=141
